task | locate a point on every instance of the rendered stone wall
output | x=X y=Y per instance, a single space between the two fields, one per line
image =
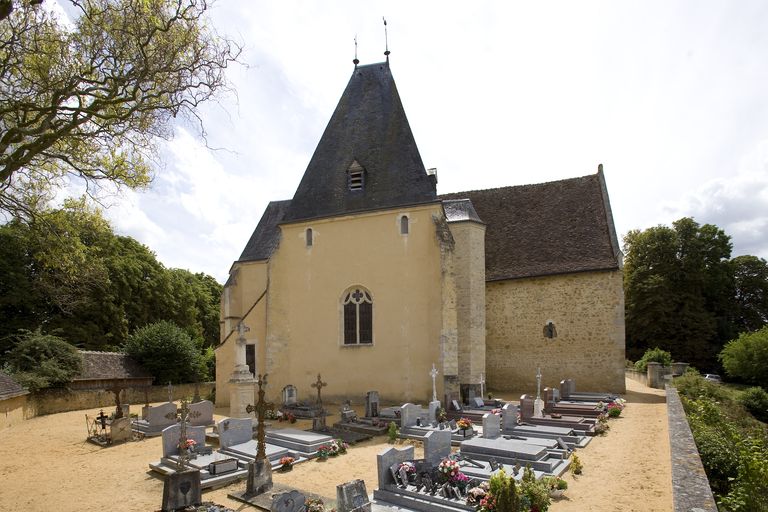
x=469 y=263
x=588 y=312
x=12 y=411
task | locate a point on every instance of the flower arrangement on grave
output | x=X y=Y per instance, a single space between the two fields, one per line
x=448 y=470
x=601 y=427
x=497 y=412
x=340 y=446
x=621 y=402
x=314 y=505
x=269 y=414
x=464 y=424
x=476 y=494
x=408 y=466
x=286 y=416
x=442 y=415
x=189 y=444
x=600 y=406
x=614 y=410
x=286 y=463
x=323 y=452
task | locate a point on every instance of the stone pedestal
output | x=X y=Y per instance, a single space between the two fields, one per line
x=538 y=408
x=433 y=407
x=241 y=392
x=181 y=490
x=259 y=477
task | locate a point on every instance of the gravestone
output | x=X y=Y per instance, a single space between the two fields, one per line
x=452 y=424
x=234 y=431
x=456 y=406
x=564 y=391
x=372 y=404
x=171 y=438
x=126 y=410
x=526 y=407
x=347 y=414
x=478 y=402
x=120 y=430
x=491 y=426
x=201 y=413
x=292 y=501
x=437 y=446
x=290 y=395
x=352 y=497
x=509 y=416
x=162 y=415
x=434 y=406
x=182 y=489
x=386 y=459
x=409 y=413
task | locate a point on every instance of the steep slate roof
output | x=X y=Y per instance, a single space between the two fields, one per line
x=368 y=126
x=110 y=365
x=9 y=388
x=548 y=228
x=266 y=236
x=458 y=210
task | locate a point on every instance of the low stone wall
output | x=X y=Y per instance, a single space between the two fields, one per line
x=690 y=486
x=51 y=401
x=12 y=411
x=640 y=377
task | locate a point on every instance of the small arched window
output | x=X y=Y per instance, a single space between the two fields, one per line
x=358 y=316
x=308 y=237
x=404 y=225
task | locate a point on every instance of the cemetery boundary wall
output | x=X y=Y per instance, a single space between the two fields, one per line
x=51 y=401
x=690 y=486
x=640 y=377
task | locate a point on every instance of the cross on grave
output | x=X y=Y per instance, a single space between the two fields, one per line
x=319 y=385
x=262 y=406
x=102 y=418
x=170 y=391
x=538 y=383
x=433 y=374
x=183 y=414
x=482 y=385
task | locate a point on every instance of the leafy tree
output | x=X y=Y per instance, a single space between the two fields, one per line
x=678 y=288
x=751 y=292
x=746 y=357
x=755 y=400
x=655 y=355
x=167 y=352
x=92 y=101
x=43 y=360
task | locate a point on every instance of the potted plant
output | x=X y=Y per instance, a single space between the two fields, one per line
x=464 y=424
x=286 y=463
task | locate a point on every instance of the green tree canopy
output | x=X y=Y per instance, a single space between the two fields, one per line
x=92 y=101
x=746 y=358
x=43 y=360
x=678 y=289
x=167 y=352
x=751 y=288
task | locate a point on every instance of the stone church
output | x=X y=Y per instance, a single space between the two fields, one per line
x=369 y=277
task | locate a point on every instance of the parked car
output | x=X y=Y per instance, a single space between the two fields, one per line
x=713 y=377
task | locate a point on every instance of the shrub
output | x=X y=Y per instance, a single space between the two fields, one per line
x=692 y=385
x=392 y=432
x=749 y=490
x=43 y=360
x=655 y=355
x=167 y=352
x=755 y=400
x=746 y=357
x=576 y=466
x=534 y=495
x=504 y=492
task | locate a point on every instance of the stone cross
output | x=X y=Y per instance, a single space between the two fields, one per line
x=262 y=406
x=240 y=344
x=538 y=383
x=319 y=385
x=433 y=374
x=482 y=385
x=170 y=392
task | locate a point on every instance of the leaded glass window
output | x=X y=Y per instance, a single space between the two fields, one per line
x=358 y=317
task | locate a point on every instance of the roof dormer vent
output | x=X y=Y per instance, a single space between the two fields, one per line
x=355 y=176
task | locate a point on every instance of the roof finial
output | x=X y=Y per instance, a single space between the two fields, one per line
x=356 y=62
x=386 y=40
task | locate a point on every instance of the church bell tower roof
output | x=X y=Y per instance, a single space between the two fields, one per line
x=367 y=157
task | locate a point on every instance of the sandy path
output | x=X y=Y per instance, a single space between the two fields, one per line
x=46 y=465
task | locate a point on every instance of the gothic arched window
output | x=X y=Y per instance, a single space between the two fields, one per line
x=358 y=316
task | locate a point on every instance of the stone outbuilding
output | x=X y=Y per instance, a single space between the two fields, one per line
x=13 y=401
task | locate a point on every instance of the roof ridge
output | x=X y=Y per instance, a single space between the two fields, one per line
x=516 y=186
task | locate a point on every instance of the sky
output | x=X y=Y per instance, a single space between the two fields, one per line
x=671 y=97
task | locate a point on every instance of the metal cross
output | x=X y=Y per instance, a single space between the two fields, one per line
x=482 y=385
x=170 y=392
x=538 y=383
x=319 y=385
x=433 y=374
x=183 y=414
x=262 y=406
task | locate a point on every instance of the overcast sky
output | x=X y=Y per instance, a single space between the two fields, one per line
x=671 y=97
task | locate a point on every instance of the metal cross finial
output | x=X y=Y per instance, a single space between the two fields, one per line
x=356 y=62
x=433 y=373
x=386 y=39
x=319 y=385
x=262 y=406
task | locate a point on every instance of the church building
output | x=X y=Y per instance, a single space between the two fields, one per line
x=368 y=276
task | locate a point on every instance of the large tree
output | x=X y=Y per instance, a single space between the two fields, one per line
x=751 y=286
x=92 y=101
x=678 y=287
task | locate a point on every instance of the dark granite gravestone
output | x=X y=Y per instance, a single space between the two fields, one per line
x=372 y=404
x=292 y=501
x=182 y=489
x=352 y=497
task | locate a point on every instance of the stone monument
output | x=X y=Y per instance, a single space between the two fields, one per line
x=182 y=488
x=538 y=404
x=241 y=381
x=434 y=405
x=318 y=422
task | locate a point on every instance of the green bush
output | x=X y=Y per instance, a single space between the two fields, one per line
x=167 y=352
x=392 y=432
x=42 y=360
x=746 y=357
x=655 y=355
x=534 y=495
x=755 y=400
x=749 y=490
x=504 y=490
x=692 y=385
